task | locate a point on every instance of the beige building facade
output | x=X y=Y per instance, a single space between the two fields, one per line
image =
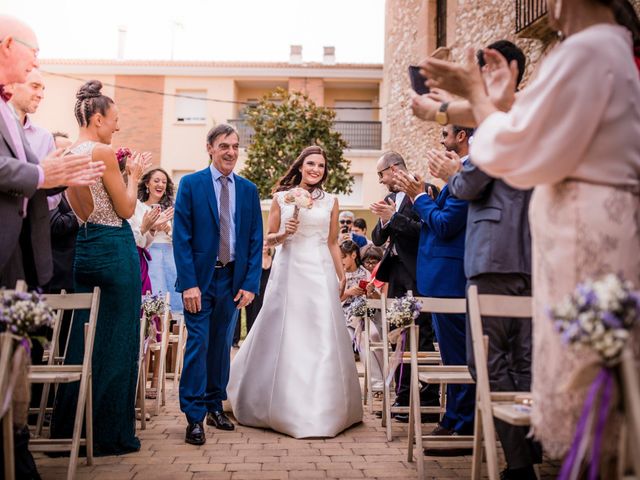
x=168 y=107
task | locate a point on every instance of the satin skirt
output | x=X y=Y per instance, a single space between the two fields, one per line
x=295 y=373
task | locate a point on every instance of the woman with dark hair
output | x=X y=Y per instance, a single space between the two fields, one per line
x=105 y=257
x=354 y=272
x=156 y=192
x=295 y=372
x=572 y=133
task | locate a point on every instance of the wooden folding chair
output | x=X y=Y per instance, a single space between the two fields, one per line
x=424 y=358
x=160 y=350
x=56 y=374
x=501 y=405
x=177 y=340
x=142 y=377
x=7 y=344
x=433 y=374
x=370 y=348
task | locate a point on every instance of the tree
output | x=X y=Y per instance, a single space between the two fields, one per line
x=284 y=124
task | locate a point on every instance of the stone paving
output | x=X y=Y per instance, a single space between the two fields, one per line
x=249 y=453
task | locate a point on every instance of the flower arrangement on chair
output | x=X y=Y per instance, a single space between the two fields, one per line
x=153 y=307
x=357 y=312
x=597 y=316
x=400 y=315
x=21 y=315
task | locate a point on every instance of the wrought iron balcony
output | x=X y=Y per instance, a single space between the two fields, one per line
x=358 y=135
x=531 y=19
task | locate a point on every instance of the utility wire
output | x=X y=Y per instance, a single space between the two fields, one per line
x=182 y=95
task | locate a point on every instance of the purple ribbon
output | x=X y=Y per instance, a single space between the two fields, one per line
x=604 y=376
x=602 y=418
x=404 y=337
x=25 y=343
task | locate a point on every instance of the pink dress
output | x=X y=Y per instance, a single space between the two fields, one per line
x=574 y=134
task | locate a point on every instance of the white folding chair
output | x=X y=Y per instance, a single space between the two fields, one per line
x=501 y=405
x=432 y=373
x=430 y=358
x=56 y=374
x=7 y=347
x=142 y=377
x=371 y=349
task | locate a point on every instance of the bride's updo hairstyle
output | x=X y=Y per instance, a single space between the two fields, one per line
x=90 y=101
x=293 y=177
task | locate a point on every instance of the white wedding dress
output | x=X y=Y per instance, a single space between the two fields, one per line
x=295 y=372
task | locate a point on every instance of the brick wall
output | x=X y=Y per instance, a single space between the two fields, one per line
x=140 y=114
x=410 y=36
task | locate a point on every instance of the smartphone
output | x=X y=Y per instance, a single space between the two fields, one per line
x=417 y=80
x=480 y=57
x=344 y=230
x=363 y=284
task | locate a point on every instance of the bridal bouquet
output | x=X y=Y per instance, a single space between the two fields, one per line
x=598 y=316
x=403 y=311
x=153 y=307
x=121 y=155
x=22 y=313
x=299 y=198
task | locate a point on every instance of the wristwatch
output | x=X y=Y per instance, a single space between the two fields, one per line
x=441 y=115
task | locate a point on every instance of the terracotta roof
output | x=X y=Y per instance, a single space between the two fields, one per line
x=205 y=64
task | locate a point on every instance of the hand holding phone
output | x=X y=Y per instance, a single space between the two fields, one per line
x=417 y=80
x=363 y=284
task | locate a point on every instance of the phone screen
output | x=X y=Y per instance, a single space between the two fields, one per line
x=417 y=80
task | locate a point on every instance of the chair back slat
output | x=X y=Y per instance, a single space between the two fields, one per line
x=70 y=301
x=374 y=303
x=443 y=305
x=505 y=306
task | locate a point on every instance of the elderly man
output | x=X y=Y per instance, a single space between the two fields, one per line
x=346 y=220
x=25 y=250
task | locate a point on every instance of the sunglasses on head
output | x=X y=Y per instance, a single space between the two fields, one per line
x=346 y=222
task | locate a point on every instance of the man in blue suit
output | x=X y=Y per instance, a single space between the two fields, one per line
x=440 y=273
x=217 y=245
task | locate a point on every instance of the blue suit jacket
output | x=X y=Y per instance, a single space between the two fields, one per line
x=440 y=268
x=196 y=233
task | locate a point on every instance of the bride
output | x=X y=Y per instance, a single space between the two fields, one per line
x=295 y=372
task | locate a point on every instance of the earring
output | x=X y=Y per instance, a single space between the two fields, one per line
x=147 y=189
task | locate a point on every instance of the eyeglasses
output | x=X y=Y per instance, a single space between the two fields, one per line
x=385 y=169
x=345 y=222
x=371 y=261
x=35 y=50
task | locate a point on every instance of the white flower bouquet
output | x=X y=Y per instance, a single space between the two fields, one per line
x=403 y=311
x=299 y=198
x=23 y=313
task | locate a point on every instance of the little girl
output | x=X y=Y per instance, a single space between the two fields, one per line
x=354 y=273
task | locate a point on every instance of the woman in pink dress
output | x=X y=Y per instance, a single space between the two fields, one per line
x=573 y=133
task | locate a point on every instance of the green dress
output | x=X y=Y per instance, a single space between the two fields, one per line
x=106 y=257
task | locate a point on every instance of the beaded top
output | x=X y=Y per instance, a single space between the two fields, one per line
x=103 y=212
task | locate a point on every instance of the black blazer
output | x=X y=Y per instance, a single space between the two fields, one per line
x=498 y=239
x=64 y=228
x=403 y=233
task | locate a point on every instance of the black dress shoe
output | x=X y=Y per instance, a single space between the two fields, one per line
x=219 y=420
x=524 y=473
x=195 y=434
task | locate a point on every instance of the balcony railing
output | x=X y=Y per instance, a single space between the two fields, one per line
x=358 y=135
x=528 y=12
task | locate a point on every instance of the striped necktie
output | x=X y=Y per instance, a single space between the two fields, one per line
x=224 y=251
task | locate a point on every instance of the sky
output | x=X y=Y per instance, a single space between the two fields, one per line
x=242 y=30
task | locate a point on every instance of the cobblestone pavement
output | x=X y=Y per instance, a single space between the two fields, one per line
x=249 y=453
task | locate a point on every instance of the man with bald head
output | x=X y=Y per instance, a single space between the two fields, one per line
x=25 y=250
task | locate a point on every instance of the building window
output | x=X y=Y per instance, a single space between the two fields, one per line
x=191 y=106
x=354 y=110
x=441 y=23
x=354 y=199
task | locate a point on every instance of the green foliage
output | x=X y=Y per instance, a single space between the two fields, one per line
x=285 y=123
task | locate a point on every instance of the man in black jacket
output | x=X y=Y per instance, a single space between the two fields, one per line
x=399 y=225
x=498 y=260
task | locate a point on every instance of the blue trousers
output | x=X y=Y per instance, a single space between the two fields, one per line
x=205 y=374
x=450 y=330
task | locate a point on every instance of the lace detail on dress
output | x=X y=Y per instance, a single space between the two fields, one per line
x=103 y=212
x=314 y=222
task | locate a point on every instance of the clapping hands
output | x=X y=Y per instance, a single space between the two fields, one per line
x=443 y=164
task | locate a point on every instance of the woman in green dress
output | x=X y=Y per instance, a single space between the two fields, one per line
x=106 y=257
